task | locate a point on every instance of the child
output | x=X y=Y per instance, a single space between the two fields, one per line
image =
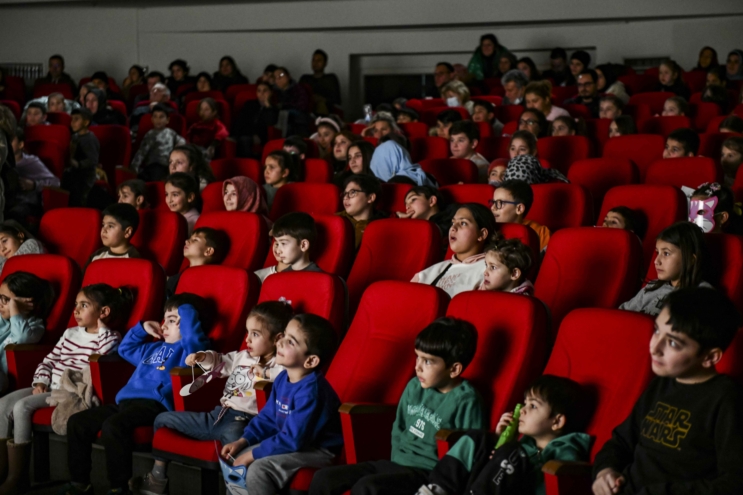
x=97 y=307
x=243 y=194
x=681 y=142
x=293 y=236
x=299 y=426
x=522 y=143
x=712 y=208
x=25 y=300
x=675 y=106
x=33 y=176
x=181 y=195
x=265 y=327
x=506 y=264
x=464 y=137
x=497 y=171
x=484 y=111
x=35 y=114
x=471 y=229
x=189 y=159
x=567 y=126
x=623 y=125
x=511 y=203
x=621 y=217
x=682 y=261
x=151 y=160
x=444 y=121
x=731 y=158
x=437 y=398
x=16 y=241
x=359 y=156
x=610 y=107
x=327 y=128
x=279 y=267
x=731 y=124
x=132 y=192
x=56 y=103
x=209 y=133
x=206 y=246
x=548 y=427
x=360 y=192
x=684 y=433
x=79 y=177
x=120 y=222
x=279 y=170
x=147 y=393
x=295 y=145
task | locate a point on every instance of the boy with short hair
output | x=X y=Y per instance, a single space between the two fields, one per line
x=684 y=434
x=610 y=107
x=79 y=177
x=507 y=262
x=293 y=236
x=151 y=160
x=206 y=246
x=120 y=223
x=484 y=111
x=437 y=398
x=35 y=114
x=681 y=143
x=299 y=426
x=148 y=393
x=33 y=176
x=511 y=203
x=132 y=192
x=295 y=145
x=548 y=422
x=424 y=203
x=464 y=137
x=444 y=121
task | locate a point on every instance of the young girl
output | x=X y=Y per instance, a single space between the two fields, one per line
x=279 y=170
x=358 y=157
x=181 y=196
x=567 y=126
x=25 y=300
x=340 y=144
x=327 y=128
x=359 y=196
x=472 y=227
x=713 y=208
x=682 y=261
x=243 y=194
x=675 y=106
x=97 y=308
x=669 y=79
x=209 y=133
x=506 y=265
x=265 y=326
x=16 y=241
x=623 y=125
x=621 y=217
x=731 y=158
x=189 y=159
x=497 y=171
x=523 y=143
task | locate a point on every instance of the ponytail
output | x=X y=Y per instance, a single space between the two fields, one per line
x=119 y=302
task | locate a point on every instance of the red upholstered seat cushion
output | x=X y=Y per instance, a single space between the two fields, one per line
x=168 y=440
x=43 y=416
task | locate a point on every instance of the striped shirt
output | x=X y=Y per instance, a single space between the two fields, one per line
x=72 y=351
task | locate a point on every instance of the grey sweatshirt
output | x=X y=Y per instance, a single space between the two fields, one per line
x=651 y=302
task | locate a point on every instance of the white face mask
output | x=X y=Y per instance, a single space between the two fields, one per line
x=452 y=101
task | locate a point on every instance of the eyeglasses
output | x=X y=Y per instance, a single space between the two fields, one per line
x=498 y=203
x=528 y=122
x=350 y=194
x=585 y=85
x=4 y=299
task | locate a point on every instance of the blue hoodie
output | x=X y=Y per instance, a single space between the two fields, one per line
x=151 y=379
x=297 y=416
x=390 y=159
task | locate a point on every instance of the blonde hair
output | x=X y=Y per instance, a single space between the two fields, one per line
x=457 y=87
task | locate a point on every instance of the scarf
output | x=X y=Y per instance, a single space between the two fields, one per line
x=528 y=169
x=390 y=159
x=249 y=197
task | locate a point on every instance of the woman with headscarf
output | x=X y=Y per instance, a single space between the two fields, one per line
x=228 y=74
x=243 y=194
x=392 y=160
x=485 y=61
x=528 y=169
x=707 y=59
x=95 y=101
x=735 y=65
x=608 y=83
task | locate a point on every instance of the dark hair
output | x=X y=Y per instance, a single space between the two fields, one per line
x=398 y=138
x=15 y=229
x=296 y=142
x=270 y=68
x=119 y=301
x=274 y=315
x=157 y=74
x=482 y=216
x=136 y=186
x=448 y=117
x=721 y=73
x=531 y=140
x=535 y=75
x=681 y=102
x=24 y=284
x=409 y=112
x=542 y=88
x=448 y=66
x=367 y=150
x=58 y=57
x=427 y=192
x=207 y=76
x=20 y=134
x=725 y=204
x=541 y=120
x=695 y=258
x=489 y=107
x=734 y=143
x=298 y=225
x=200 y=169
x=125 y=215
x=705 y=315
x=562 y=395
x=320 y=336
x=590 y=72
x=688 y=138
x=570 y=122
x=185 y=183
x=180 y=63
x=559 y=53
x=632 y=221
x=368 y=184
x=215 y=239
x=178 y=300
x=82 y=112
x=584 y=57
x=100 y=75
x=732 y=122
x=713 y=63
x=490 y=37
x=38 y=105
x=615 y=100
x=716 y=94
x=521 y=192
x=466 y=127
x=231 y=61
x=675 y=68
x=212 y=105
x=626 y=125
x=513 y=253
x=286 y=161
x=284 y=69
x=451 y=339
x=159 y=107
x=139 y=69
x=321 y=52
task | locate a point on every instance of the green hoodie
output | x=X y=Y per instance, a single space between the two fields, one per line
x=478 y=61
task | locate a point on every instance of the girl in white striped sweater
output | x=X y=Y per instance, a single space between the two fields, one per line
x=97 y=307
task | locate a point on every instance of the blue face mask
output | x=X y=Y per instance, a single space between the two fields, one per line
x=452 y=101
x=494 y=183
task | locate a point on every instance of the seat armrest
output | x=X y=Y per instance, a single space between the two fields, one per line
x=262 y=391
x=23 y=359
x=445 y=439
x=366 y=431
x=204 y=400
x=567 y=477
x=54 y=197
x=110 y=373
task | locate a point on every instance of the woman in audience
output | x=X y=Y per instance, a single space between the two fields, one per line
x=538 y=95
x=16 y=241
x=707 y=59
x=529 y=68
x=209 y=132
x=182 y=196
x=95 y=101
x=485 y=61
x=382 y=123
x=358 y=158
x=392 y=160
x=608 y=84
x=250 y=126
x=136 y=76
x=533 y=120
x=228 y=74
x=682 y=260
x=189 y=159
x=523 y=143
x=327 y=128
x=83 y=93
x=203 y=82
x=735 y=65
x=360 y=193
x=713 y=209
x=669 y=79
x=179 y=70
x=456 y=94
x=675 y=106
x=731 y=158
x=624 y=125
x=243 y=194
x=340 y=145
x=528 y=169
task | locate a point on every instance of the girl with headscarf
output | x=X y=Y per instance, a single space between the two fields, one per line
x=735 y=65
x=243 y=194
x=95 y=101
x=528 y=169
x=228 y=74
x=392 y=160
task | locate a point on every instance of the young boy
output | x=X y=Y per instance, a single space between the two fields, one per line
x=444 y=121
x=484 y=111
x=463 y=139
x=610 y=107
x=132 y=192
x=206 y=246
x=33 y=176
x=84 y=151
x=547 y=422
x=35 y=114
x=147 y=394
x=436 y=398
x=506 y=264
x=151 y=159
x=299 y=426
x=510 y=204
x=293 y=236
x=684 y=434
x=424 y=203
x=265 y=326
x=120 y=222
x=681 y=143
x=296 y=146
x=731 y=158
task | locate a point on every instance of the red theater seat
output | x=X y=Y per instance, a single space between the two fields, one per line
x=392 y=198
x=277 y=144
x=663 y=126
x=638 y=83
x=703 y=113
x=227 y=168
x=429 y=115
x=317 y=170
x=467 y=193
x=59 y=118
x=598 y=175
x=160 y=237
x=73 y=232
x=58 y=134
x=212 y=199
x=563 y=151
x=428 y=147
x=116 y=148
x=316 y=199
x=654 y=99
x=247 y=233
x=642 y=149
x=508 y=113
x=578 y=110
x=710 y=144
x=449 y=171
x=494 y=147
x=232 y=92
x=414 y=129
x=598 y=132
x=200 y=95
x=560 y=205
x=50 y=153
x=47 y=89
x=15 y=107
x=687 y=171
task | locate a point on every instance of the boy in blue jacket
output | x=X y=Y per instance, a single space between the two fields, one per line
x=299 y=426
x=148 y=393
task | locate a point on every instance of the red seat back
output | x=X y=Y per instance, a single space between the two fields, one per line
x=58 y=134
x=598 y=175
x=467 y=193
x=642 y=149
x=317 y=170
x=495 y=100
x=597 y=131
x=512 y=341
x=192 y=112
x=428 y=147
x=428 y=115
x=714 y=123
x=449 y=171
x=577 y=110
x=277 y=144
x=73 y=232
x=15 y=89
x=588 y=268
x=703 y=113
x=710 y=144
x=116 y=148
x=560 y=205
x=639 y=112
x=508 y=113
x=155 y=194
x=563 y=151
x=414 y=129
x=160 y=237
x=316 y=199
x=64 y=276
x=247 y=233
x=227 y=168
x=47 y=89
x=494 y=147
x=613 y=383
x=49 y=153
x=392 y=198
x=232 y=91
x=59 y=118
x=200 y=95
x=695 y=79
x=687 y=171
x=654 y=99
x=212 y=198
x=118 y=106
x=663 y=126
x=241 y=98
x=15 y=107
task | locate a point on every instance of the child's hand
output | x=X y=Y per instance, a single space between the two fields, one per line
x=194 y=358
x=403 y=214
x=608 y=482
x=39 y=388
x=259 y=371
x=153 y=328
x=503 y=423
x=244 y=460
x=233 y=448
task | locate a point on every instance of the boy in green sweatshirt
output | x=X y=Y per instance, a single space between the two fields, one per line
x=436 y=398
